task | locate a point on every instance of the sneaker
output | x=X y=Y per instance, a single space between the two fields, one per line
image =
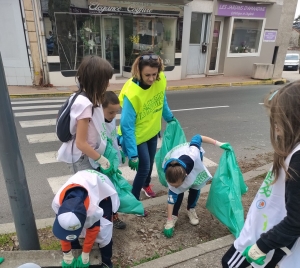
x=118 y=224
x=175 y=218
x=146 y=213
x=193 y=216
x=148 y=191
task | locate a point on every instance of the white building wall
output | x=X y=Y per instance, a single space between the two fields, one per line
x=13 y=46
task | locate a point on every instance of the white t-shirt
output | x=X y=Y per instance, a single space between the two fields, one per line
x=81 y=108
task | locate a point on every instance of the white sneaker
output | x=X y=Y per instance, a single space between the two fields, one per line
x=175 y=218
x=193 y=216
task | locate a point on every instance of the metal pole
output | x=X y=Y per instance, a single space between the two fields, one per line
x=14 y=173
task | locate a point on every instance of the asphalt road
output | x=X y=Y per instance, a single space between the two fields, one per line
x=243 y=123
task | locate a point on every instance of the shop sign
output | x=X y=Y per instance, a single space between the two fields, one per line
x=270 y=36
x=132 y=9
x=241 y=10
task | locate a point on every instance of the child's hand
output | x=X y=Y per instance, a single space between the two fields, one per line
x=169 y=226
x=254 y=254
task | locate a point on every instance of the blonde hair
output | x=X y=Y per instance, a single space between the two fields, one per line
x=175 y=172
x=93 y=76
x=284 y=112
x=139 y=64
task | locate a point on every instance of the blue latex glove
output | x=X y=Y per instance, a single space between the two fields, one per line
x=196 y=140
x=134 y=163
x=254 y=254
x=123 y=156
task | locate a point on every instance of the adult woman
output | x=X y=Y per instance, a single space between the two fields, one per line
x=143 y=100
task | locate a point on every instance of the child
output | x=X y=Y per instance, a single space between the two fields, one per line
x=87 y=119
x=85 y=204
x=270 y=236
x=184 y=171
x=111 y=106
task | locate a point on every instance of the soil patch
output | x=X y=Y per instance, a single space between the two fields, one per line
x=260 y=160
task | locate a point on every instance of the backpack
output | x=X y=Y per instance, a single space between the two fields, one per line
x=63 y=119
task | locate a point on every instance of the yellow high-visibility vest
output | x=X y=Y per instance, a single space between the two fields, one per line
x=148 y=106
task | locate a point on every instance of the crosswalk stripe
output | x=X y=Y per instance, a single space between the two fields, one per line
x=35 y=107
x=37 y=101
x=44 y=137
x=38 y=123
x=35 y=113
x=57 y=182
x=47 y=157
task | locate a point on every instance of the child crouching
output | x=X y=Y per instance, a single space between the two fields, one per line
x=184 y=171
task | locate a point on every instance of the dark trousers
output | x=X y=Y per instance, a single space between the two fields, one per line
x=233 y=257
x=192 y=201
x=146 y=154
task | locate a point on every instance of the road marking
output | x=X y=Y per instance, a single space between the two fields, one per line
x=201 y=108
x=57 y=182
x=37 y=101
x=35 y=107
x=35 y=113
x=47 y=157
x=38 y=123
x=44 y=137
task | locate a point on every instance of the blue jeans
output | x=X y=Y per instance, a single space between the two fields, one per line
x=146 y=153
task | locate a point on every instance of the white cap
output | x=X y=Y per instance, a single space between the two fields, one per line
x=29 y=265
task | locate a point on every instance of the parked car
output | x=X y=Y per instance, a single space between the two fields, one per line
x=291 y=62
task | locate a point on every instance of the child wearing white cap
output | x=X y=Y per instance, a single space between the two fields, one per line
x=85 y=205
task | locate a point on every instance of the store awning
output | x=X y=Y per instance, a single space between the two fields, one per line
x=172 y=2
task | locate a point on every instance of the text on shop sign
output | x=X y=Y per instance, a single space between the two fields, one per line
x=241 y=10
x=97 y=8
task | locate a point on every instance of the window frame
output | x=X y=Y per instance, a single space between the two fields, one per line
x=240 y=55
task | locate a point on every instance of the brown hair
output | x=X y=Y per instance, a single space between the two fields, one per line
x=175 y=172
x=284 y=112
x=139 y=64
x=110 y=97
x=93 y=76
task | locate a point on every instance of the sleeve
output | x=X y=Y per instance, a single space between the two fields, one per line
x=90 y=237
x=65 y=246
x=288 y=230
x=172 y=197
x=86 y=113
x=167 y=114
x=128 y=119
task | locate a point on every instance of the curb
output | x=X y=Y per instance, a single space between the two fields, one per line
x=189 y=253
x=170 y=88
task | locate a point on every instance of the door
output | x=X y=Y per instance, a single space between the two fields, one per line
x=216 y=46
x=198 y=43
x=111 y=42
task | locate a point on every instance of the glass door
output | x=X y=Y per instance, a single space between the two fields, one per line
x=215 y=47
x=111 y=42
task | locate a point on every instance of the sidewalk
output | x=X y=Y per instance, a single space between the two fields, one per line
x=191 y=83
x=206 y=255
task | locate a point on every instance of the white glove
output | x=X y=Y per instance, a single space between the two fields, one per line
x=68 y=257
x=85 y=257
x=103 y=161
x=219 y=144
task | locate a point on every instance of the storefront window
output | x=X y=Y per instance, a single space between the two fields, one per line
x=246 y=36
x=150 y=34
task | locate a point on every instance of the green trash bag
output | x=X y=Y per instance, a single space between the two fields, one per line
x=225 y=196
x=172 y=136
x=128 y=203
